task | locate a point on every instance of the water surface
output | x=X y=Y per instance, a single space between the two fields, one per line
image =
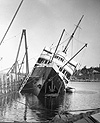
x=18 y=107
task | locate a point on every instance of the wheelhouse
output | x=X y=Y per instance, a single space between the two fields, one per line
x=59 y=59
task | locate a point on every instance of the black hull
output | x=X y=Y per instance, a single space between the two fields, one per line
x=44 y=81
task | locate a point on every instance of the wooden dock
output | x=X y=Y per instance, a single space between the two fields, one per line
x=92 y=116
x=9 y=84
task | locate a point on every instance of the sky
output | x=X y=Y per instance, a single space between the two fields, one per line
x=44 y=21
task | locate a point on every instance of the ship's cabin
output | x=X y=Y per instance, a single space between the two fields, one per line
x=59 y=59
x=46 y=62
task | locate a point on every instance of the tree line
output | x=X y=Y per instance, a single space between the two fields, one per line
x=88 y=74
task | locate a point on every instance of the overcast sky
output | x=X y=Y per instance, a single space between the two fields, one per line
x=44 y=21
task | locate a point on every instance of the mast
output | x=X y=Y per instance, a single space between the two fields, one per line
x=58 y=44
x=65 y=49
x=75 y=55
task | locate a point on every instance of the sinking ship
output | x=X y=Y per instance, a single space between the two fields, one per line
x=51 y=73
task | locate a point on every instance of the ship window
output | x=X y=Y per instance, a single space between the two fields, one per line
x=58 y=57
x=40 y=60
x=68 y=75
x=60 y=68
x=61 y=59
x=46 y=61
x=64 y=71
x=55 y=56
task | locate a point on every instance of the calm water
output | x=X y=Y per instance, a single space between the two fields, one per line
x=17 y=107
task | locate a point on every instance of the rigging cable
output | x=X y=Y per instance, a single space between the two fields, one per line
x=11 y=21
x=81 y=58
x=67 y=39
x=12 y=37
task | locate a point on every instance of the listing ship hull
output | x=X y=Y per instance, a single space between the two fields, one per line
x=52 y=71
x=44 y=81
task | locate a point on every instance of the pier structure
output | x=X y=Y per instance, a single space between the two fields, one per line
x=8 y=83
x=13 y=78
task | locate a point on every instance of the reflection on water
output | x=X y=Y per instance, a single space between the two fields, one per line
x=87 y=95
x=18 y=107
x=8 y=106
x=44 y=108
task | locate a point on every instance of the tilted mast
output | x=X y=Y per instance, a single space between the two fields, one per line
x=75 y=55
x=58 y=44
x=11 y=21
x=65 y=49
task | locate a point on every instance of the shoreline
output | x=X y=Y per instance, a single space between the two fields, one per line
x=85 y=80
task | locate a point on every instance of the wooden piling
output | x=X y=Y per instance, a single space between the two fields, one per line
x=8 y=83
